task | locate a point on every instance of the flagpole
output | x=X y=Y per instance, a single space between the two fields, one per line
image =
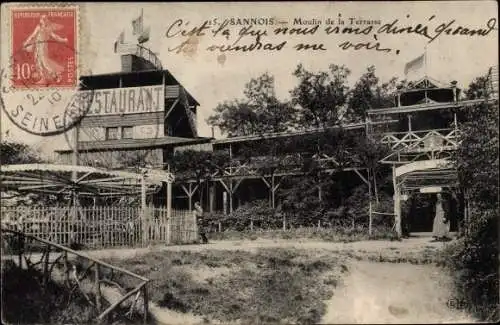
x=426 y=77
x=425 y=61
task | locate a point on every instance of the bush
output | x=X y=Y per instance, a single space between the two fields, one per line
x=474 y=261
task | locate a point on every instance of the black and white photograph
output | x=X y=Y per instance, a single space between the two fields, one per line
x=253 y=162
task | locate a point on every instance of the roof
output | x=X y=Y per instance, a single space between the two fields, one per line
x=427 y=83
x=287 y=133
x=424 y=107
x=134 y=143
x=170 y=79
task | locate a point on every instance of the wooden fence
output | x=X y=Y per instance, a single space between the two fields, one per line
x=102 y=226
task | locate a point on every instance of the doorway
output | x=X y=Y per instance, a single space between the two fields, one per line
x=422 y=209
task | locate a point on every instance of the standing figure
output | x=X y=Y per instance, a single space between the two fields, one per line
x=441 y=225
x=37 y=43
x=198 y=212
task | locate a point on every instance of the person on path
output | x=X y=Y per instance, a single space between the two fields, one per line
x=440 y=227
x=198 y=212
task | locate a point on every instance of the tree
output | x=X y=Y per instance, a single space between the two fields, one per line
x=475 y=259
x=478 y=88
x=259 y=112
x=17 y=153
x=321 y=96
x=368 y=93
x=200 y=165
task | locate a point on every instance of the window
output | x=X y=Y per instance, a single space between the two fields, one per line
x=111 y=133
x=127 y=132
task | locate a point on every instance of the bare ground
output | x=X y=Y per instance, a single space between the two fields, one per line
x=376 y=292
x=371 y=292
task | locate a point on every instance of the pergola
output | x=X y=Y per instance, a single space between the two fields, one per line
x=82 y=182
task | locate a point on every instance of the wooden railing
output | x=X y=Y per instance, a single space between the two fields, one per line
x=149 y=55
x=77 y=271
x=426 y=140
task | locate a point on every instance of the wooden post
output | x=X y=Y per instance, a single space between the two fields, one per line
x=20 y=244
x=230 y=196
x=397 y=207
x=273 y=189
x=169 y=210
x=369 y=204
x=224 y=202
x=66 y=268
x=211 y=195
x=46 y=268
x=146 y=303
x=284 y=223
x=74 y=177
x=143 y=208
x=190 y=197
x=97 y=288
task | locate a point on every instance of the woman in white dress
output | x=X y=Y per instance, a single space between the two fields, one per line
x=441 y=225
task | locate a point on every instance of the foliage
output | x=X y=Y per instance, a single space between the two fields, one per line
x=25 y=302
x=258 y=212
x=321 y=96
x=474 y=259
x=200 y=164
x=259 y=112
x=367 y=94
x=17 y=153
x=478 y=88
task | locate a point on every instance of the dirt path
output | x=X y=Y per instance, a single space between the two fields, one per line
x=372 y=292
x=375 y=292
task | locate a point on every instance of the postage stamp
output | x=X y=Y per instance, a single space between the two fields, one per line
x=41 y=91
x=338 y=158
x=37 y=34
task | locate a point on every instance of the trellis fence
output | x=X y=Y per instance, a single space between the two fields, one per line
x=102 y=226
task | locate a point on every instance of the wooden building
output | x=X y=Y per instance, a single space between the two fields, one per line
x=142 y=115
x=137 y=116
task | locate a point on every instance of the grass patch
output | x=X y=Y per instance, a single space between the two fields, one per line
x=345 y=235
x=269 y=286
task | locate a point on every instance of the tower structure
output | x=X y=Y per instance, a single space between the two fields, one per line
x=423 y=140
x=139 y=114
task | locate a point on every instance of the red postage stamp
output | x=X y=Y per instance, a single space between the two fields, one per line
x=44 y=43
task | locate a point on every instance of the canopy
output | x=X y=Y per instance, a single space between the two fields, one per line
x=80 y=180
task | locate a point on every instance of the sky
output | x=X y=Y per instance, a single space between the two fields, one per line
x=212 y=77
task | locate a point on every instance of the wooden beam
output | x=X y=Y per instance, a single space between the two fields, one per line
x=238 y=182
x=265 y=181
x=362 y=177
x=224 y=184
x=171 y=108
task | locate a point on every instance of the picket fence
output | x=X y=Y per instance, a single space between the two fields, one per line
x=102 y=226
